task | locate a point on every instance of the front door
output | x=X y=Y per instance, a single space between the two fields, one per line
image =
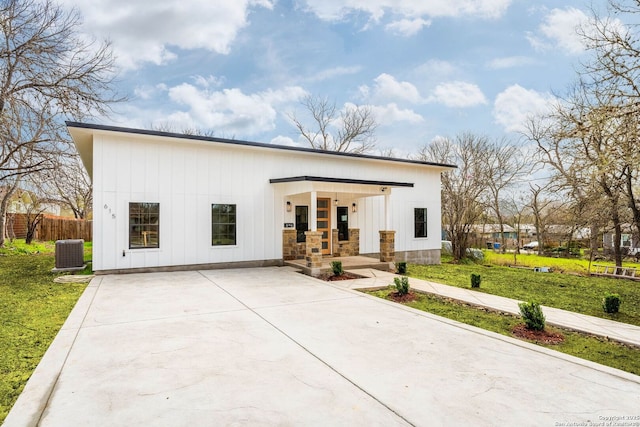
x=324 y=224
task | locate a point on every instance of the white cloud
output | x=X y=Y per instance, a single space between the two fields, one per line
x=331 y=73
x=334 y=10
x=510 y=62
x=407 y=27
x=284 y=140
x=387 y=88
x=436 y=70
x=391 y=113
x=458 y=94
x=229 y=111
x=515 y=105
x=560 y=30
x=149 y=36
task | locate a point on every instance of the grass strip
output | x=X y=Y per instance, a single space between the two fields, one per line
x=32 y=311
x=580 y=294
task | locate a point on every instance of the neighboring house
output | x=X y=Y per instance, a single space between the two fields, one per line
x=21 y=200
x=628 y=242
x=489 y=235
x=166 y=200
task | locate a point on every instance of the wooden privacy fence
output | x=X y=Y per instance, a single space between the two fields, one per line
x=50 y=228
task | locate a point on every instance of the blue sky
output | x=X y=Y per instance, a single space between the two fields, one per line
x=426 y=68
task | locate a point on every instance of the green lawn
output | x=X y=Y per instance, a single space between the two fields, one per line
x=586 y=347
x=568 y=291
x=32 y=310
x=567 y=265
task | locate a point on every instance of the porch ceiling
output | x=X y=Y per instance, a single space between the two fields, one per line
x=355 y=188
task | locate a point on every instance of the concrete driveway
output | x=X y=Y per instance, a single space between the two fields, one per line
x=270 y=347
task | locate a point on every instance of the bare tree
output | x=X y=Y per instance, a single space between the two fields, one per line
x=195 y=131
x=462 y=188
x=34 y=210
x=540 y=205
x=614 y=69
x=583 y=144
x=48 y=72
x=506 y=165
x=516 y=208
x=70 y=186
x=351 y=129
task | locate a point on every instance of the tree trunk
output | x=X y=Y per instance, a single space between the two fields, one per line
x=617 y=252
x=32 y=224
x=3 y=217
x=2 y=227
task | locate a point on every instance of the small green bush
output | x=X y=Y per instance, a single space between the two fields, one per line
x=336 y=267
x=475 y=280
x=532 y=315
x=611 y=303
x=402 y=268
x=402 y=285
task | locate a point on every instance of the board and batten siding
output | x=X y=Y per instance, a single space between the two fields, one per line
x=186 y=176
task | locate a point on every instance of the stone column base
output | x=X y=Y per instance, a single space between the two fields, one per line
x=314 y=250
x=387 y=246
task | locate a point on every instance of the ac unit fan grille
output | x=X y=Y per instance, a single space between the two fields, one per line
x=69 y=253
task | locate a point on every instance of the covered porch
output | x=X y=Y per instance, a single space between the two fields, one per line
x=328 y=219
x=348 y=263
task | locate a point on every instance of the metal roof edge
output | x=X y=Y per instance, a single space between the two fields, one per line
x=149 y=132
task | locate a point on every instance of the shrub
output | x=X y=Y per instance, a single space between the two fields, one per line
x=532 y=315
x=402 y=268
x=475 y=280
x=611 y=303
x=336 y=267
x=402 y=285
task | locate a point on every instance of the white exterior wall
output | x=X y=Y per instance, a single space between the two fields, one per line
x=187 y=176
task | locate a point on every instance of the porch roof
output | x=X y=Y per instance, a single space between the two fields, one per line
x=340 y=181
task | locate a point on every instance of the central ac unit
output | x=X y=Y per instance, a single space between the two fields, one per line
x=70 y=254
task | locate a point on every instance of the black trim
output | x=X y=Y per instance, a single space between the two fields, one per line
x=340 y=181
x=246 y=143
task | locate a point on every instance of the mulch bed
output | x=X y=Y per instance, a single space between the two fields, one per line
x=539 y=337
x=395 y=296
x=330 y=277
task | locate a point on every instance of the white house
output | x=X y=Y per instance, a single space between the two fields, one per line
x=173 y=201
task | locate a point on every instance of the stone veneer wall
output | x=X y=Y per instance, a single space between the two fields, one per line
x=291 y=249
x=342 y=248
x=424 y=257
x=387 y=246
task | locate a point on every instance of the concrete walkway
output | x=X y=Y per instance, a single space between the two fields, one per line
x=270 y=346
x=621 y=332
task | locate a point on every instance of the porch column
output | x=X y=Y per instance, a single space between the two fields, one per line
x=387 y=211
x=314 y=251
x=387 y=246
x=313 y=215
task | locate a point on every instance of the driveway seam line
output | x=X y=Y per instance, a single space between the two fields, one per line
x=309 y=351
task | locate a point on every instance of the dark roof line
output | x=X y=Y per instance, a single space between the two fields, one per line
x=341 y=181
x=245 y=143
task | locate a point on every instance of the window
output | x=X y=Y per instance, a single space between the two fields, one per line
x=420 y=222
x=223 y=225
x=343 y=223
x=302 y=223
x=144 y=225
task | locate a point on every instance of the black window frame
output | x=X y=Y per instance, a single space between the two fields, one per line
x=342 y=226
x=224 y=225
x=301 y=227
x=420 y=223
x=144 y=217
